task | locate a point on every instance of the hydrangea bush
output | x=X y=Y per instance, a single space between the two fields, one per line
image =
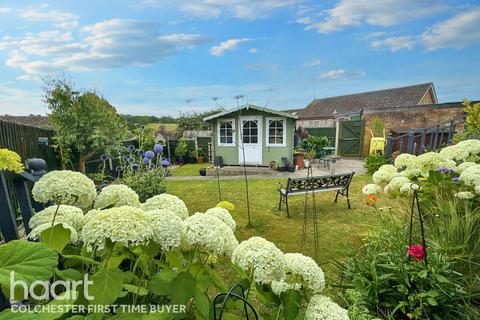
x=156 y=253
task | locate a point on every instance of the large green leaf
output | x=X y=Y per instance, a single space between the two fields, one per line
x=182 y=288
x=202 y=302
x=291 y=304
x=56 y=237
x=31 y=261
x=107 y=286
x=160 y=283
x=69 y=274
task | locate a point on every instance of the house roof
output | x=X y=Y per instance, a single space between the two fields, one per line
x=353 y=103
x=250 y=107
x=192 y=134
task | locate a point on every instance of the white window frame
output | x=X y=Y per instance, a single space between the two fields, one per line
x=234 y=131
x=267 y=143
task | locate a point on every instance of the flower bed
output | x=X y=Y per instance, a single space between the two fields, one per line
x=153 y=253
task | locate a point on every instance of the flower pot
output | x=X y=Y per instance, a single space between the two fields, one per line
x=299 y=157
x=200 y=159
x=203 y=172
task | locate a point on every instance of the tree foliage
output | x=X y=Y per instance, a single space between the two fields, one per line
x=194 y=121
x=134 y=121
x=85 y=122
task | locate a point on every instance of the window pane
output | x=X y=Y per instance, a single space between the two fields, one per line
x=229 y=140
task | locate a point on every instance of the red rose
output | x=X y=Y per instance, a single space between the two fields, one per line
x=417 y=251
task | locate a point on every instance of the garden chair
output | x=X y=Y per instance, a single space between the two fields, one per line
x=322 y=157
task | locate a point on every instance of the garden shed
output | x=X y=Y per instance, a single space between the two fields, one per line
x=262 y=134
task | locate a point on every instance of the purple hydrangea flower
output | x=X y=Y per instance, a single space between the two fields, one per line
x=146 y=160
x=141 y=152
x=443 y=170
x=150 y=154
x=104 y=157
x=165 y=163
x=119 y=169
x=135 y=166
x=158 y=148
x=456 y=179
x=131 y=147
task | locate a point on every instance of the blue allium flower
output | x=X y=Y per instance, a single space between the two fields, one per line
x=135 y=166
x=141 y=152
x=158 y=148
x=443 y=170
x=125 y=158
x=130 y=159
x=104 y=157
x=165 y=163
x=131 y=147
x=150 y=154
x=456 y=179
x=119 y=169
x=146 y=160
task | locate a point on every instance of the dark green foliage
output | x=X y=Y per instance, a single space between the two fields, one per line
x=472 y=122
x=374 y=162
x=194 y=121
x=314 y=143
x=147 y=183
x=181 y=150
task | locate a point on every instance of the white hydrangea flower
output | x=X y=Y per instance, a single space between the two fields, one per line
x=65 y=187
x=116 y=195
x=471 y=146
x=385 y=173
x=404 y=160
x=224 y=215
x=127 y=225
x=37 y=231
x=471 y=176
x=465 y=165
x=167 y=228
x=91 y=213
x=396 y=183
x=371 y=188
x=301 y=273
x=464 y=195
x=477 y=189
x=70 y=215
x=169 y=202
x=261 y=256
x=323 y=308
x=455 y=152
x=211 y=233
x=406 y=188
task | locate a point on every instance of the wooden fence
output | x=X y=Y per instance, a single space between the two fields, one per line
x=418 y=141
x=29 y=142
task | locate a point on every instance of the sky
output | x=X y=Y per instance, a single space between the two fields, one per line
x=163 y=57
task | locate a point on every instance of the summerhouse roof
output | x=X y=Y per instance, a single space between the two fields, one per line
x=251 y=107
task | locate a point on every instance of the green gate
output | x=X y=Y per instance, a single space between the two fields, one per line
x=351 y=138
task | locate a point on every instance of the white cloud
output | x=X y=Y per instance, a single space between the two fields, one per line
x=5 y=10
x=394 y=43
x=112 y=43
x=340 y=74
x=253 y=50
x=312 y=63
x=19 y=101
x=60 y=19
x=241 y=9
x=228 y=45
x=29 y=77
x=261 y=66
x=380 y=13
x=458 y=32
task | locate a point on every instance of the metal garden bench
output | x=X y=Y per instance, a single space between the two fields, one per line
x=295 y=186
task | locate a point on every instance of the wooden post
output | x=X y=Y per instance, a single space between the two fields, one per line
x=400 y=144
x=411 y=138
x=389 y=150
x=435 y=141
x=422 y=142
x=8 y=224
x=451 y=132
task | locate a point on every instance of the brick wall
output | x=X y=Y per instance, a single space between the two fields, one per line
x=421 y=116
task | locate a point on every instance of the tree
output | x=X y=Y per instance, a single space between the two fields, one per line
x=193 y=121
x=85 y=123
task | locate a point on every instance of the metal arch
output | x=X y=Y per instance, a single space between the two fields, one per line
x=229 y=294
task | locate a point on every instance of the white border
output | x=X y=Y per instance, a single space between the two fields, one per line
x=234 y=131
x=267 y=131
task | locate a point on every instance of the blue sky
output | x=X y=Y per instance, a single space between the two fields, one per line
x=149 y=57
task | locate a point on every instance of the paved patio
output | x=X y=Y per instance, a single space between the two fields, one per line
x=344 y=165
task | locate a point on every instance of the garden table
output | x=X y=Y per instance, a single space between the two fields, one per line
x=329 y=150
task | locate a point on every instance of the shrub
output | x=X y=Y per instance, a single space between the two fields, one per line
x=315 y=143
x=181 y=150
x=374 y=162
x=377 y=126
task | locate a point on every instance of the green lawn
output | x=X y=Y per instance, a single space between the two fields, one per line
x=189 y=169
x=338 y=226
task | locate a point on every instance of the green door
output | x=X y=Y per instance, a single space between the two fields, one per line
x=351 y=138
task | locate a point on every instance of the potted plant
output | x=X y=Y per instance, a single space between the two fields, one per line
x=200 y=155
x=309 y=156
x=181 y=151
x=299 y=156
